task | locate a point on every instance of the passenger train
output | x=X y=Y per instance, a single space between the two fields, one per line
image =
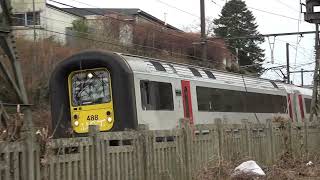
x=119 y=91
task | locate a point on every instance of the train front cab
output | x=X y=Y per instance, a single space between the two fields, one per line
x=92 y=88
x=90 y=96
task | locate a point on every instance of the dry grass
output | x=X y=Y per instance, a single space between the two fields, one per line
x=286 y=168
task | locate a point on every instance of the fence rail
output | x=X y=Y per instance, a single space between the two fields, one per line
x=168 y=154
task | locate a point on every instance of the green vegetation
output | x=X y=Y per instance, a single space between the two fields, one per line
x=237 y=21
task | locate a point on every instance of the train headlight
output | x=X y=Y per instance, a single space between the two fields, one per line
x=90 y=75
x=109 y=119
x=76 y=123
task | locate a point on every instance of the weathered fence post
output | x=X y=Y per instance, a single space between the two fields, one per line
x=29 y=155
x=188 y=144
x=248 y=136
x=217 y=121
x=94 y=134
x=270 y=139
x=143 y=153
x=289 y=127
x=306 y=150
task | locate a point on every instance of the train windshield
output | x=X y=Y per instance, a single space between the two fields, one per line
x=90 y=87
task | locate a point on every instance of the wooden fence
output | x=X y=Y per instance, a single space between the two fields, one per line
x=166 y=154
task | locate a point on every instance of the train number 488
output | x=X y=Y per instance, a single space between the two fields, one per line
x=92 y=117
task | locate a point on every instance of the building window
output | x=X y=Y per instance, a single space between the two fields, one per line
x=25 y=19
x=222 y=100
x=30 y=18
x=156 y=95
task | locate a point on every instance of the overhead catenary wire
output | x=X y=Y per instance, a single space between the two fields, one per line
x=288 y=6
x=264 y=11
x=208 y=40
x=107 y=42
x=213 y=42
x=181 y=37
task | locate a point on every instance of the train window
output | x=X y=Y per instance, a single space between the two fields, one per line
x=173 y=69
x=222 y=100
x=156 y=95
x=195 y=72
x=219 y=100
x=90 y=87
x=274 y=84
x=265 y=103
x=158 y=66
x=308 y=104
x=209 y=74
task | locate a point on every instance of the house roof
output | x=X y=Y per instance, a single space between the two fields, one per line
x=123 y=11
x=61 y=9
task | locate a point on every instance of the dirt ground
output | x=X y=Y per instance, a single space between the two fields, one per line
x=285 y=168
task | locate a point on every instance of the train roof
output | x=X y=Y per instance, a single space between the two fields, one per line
x=146 y=65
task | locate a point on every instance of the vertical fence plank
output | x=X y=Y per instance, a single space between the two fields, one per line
x=96 y=152
x=188 y=142
x=270 y=142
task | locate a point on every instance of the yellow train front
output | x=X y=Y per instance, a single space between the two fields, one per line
x=90 y=95
x=92 y=88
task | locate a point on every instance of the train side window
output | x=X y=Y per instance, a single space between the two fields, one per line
x=158 y=66
x=219 y=100
x=265 y=103
x=223 y=100
x=308 y=104
x=156 y=95
x=195 y=72
x=209 y=74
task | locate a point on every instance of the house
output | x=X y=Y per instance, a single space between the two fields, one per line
x=50 y=21
x=55 y=22
x=102 y=20
x=127 y=26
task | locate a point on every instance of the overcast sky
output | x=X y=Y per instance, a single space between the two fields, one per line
x=185 y=13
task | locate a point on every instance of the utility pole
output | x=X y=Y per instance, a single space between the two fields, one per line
x=315 y=99
x=302 y=77
x=288 y=63
x=203 y=31
x=312 y=16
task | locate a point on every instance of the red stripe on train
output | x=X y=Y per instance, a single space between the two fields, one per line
x=301 y=107
x=290 y=107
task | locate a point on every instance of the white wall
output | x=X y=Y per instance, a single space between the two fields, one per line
x=51 y=19
x=58 y=21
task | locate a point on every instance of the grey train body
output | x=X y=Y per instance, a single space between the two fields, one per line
x=213 y=94
x=157 y=93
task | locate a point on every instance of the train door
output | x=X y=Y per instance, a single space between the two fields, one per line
x=186 y=99
x=296 y=107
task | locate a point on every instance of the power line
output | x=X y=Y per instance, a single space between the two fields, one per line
x=174 y=7
x=268 y=12
x=152 y=29
x=265 y=35
x=288 y=6
x=107 y=42
x=167 y=33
